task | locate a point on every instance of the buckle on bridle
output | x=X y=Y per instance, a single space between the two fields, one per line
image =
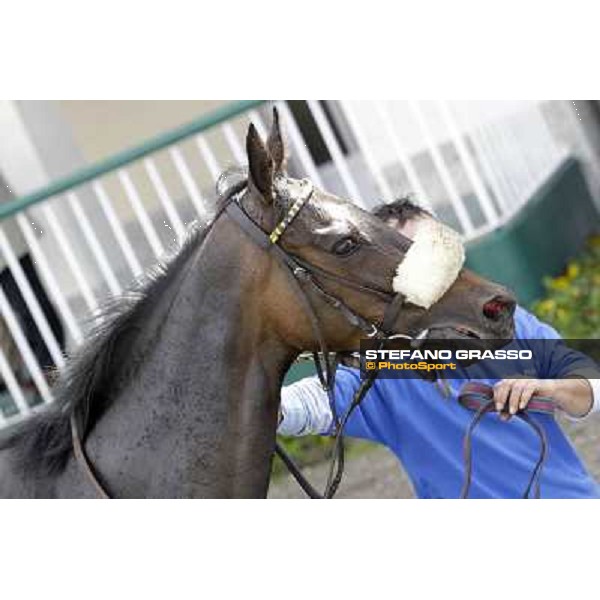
x=301 y=273
x=416 y=340
x=374 y=331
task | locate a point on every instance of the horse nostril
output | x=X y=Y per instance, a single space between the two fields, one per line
x=499 y=307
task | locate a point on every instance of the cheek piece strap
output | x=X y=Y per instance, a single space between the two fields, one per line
x=304 y=279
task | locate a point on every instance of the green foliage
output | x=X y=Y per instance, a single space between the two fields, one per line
x=572 y=302
x=306 y=450
x=313 y=449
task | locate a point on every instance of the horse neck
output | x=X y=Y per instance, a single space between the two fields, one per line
x=197 y=390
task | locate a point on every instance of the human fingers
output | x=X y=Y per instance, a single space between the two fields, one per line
x=501 y=393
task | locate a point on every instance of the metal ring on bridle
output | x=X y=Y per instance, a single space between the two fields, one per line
x=374 y=331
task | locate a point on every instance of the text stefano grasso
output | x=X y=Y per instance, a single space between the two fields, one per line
x=460 y=354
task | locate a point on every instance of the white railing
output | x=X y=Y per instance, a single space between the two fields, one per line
x=475 y=166
x=474 y=163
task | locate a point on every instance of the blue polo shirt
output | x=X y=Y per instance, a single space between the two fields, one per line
x=425 y=429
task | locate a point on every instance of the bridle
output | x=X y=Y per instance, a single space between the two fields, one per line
x=304 y=277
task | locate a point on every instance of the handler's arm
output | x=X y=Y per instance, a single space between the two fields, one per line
x=576 y=396
x=576 y=381
x=569 y=377
x=304 y=409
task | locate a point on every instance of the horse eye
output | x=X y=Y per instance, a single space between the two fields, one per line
x=346 y=246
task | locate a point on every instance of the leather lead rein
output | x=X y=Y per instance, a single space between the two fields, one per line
x=479 y=397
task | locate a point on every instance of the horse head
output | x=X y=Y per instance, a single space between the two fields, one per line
x=360 y=260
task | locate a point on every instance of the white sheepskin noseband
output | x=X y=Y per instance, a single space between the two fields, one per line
x=431 y=264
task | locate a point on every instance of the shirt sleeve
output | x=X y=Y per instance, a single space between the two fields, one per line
x=565 y=362
x=595 y=385
x=559 y=361
x=306 y=410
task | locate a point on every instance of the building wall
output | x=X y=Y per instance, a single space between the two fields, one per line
x=532 y=246
x=102 y=128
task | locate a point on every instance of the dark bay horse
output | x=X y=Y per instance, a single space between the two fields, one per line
x=177 y=390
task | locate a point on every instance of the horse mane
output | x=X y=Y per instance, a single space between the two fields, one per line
x=42 y=443
x=402 y=209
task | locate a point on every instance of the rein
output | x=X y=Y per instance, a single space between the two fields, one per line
x=479 y=398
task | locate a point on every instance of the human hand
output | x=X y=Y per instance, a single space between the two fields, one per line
x=512 y=395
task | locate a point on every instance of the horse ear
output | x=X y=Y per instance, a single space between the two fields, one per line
x=260 y=164
x=276 y=144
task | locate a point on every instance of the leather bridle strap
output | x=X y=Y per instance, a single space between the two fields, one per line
x=473 y=395
x=303 y=277
x=346 y=282
x=479 y=397
x=337 y=465
x=308 y=488
x=83 y=461
x=301 y=273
